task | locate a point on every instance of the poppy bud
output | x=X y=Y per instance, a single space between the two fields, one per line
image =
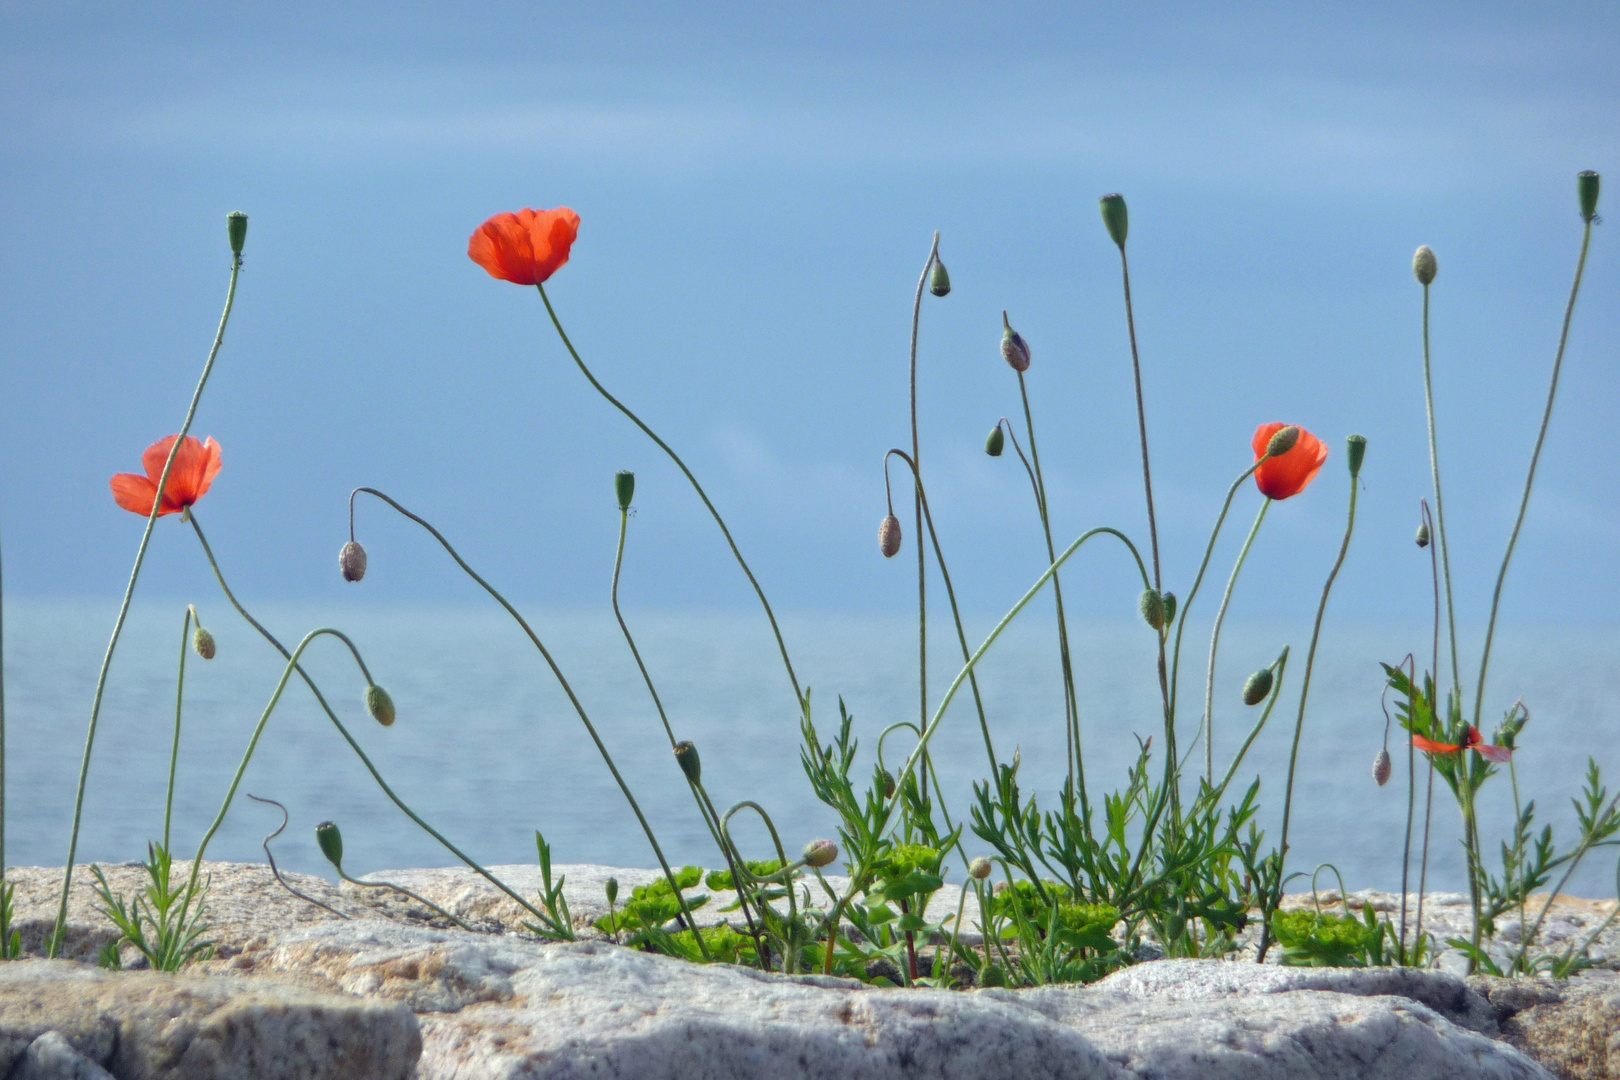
x=686 y=756
x=1355 y=449
x=1423 y=535
x=889 y=537
x=331 y=842
x=1282 y=442
x=979 y=868
x=1424 y=265
x=996 y=442
x=1381 y=767
x=819 y=853
x=236 y=229
x=624 y=485
x=1169 y=608
x=203 y=642
x=1257 y=687
x=1014 y=349
x=352 y=561
x=888 y=784
x=1152 y=607
x=380 y=705
x=611 y=887
x=992 y=975
x=939 y=282
x=1116 y=218
x=1586 y=185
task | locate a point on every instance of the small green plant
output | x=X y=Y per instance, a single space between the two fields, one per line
x=163 y=922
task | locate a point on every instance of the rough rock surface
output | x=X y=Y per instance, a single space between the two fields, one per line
x=1571 y=1027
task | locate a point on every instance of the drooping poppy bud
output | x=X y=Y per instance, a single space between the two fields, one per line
x=624 y=485
x=889 y=537
x=1586 y=185
x=939 y=282
x=979 y=868
x=686 y=756
x=1381 y=767
x=380 y=705
x=1257 y=687
x=236 y=229
x=1169 y=608
x=203 y=642
x=611 y=887
x=1423 y=535
x=1424 y=265
x=1116 y=218
x=887 y=779
x=1282 y=442
x=1151 y=605
x=331 y=843
x=996 y=443
x=1014 y=349
x=352 y=561
x=1354 y=450
x=819 y=853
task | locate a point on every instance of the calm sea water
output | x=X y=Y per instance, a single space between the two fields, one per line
x=487 y=748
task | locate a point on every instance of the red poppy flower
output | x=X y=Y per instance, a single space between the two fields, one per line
x=1286 y=476
x=527 y=247
x=195 y=467
x=1473 y=741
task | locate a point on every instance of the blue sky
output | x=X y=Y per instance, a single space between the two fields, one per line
x=758 y=186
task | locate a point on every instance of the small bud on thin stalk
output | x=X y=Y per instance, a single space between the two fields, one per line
x=1587 y=185
x=611 y=887
x=1169 y=608
x=889 y=537
x=819 y=853
x=1381 y=767
x=1257 y=687
x=1424 y=265
x=1116 y=218
x=236 y=229
x=686 y=756
x=939 y=282
x=1152 y=607
x=380 y=705
x=331 y=843
x=996 y=443
x=352 y=561
x=624 y=486
x=1014 y=349
x=1355 y=449
x=1282 y=442
x=979 y=868
x=1423 y=535
x=203 y=642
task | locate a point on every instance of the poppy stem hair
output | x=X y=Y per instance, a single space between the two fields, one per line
x=53 y=945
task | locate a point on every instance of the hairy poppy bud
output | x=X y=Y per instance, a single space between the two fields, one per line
x=979 y=868
x=331 y=842
x=203 y=642
x=1282 y=442
x=624 y=485
x=686 y=756
x=996 y=443
x=611 y=887
x=1424 y=265
x=1423 y=535
x=939 y=282
x=236 y=229
x=889 y=537
x=380 y=705
x=1169 y=608
x=1116 y=218
x=819 y=853
x=887 y=779
x=1355 y=449
x=1152 y=607
x=352 y=561
x=1014 y=349
x=1257 y=687
x=1586 y=185
x=1381 y=768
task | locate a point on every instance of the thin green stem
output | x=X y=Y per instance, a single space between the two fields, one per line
x=1530 y=478
x=718 y=520
x=917 y=500
x=1215 y=632
x=1439 y=504
x=179 y=700
x=54 y=945
x=424 y=901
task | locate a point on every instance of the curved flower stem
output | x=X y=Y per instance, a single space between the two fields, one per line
x=573 y=699
x=179 y=700
x=950 y=592
x=718 y=520
x=1304 y=695
x=54 y=943
x=1530 y=479
x=1439 y=505
x=1280 y=666
x=1215 y=634
x=348 y=738
x=271 y=859
x=916 y=471
x=790 y=959
x=424 y=901
x=1411 y=751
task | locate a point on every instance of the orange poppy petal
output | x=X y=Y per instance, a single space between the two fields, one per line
x=1429 y=746
x=155 y=457
x=1286 y=476
x=553 y=233
x=135 y=493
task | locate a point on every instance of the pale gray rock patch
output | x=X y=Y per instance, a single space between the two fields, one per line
x=52 y=1057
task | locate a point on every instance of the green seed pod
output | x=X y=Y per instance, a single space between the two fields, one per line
x=1152 y=607
x=992 y=975
x=1424 y=265
x=203 y=642
x=1169 y=608
x=624 y=485
x=889 y=537
x=939 y=282
x=1381 y=767
x=1586 y=185
x=979 y=868
x=996 y=443
x=1355 y=449
x=331 y=842
x=819 y=853
x=1283 y=441
x=380 y=705
x=1257 y=687
x=686 y=756
x=1423 y=535
x=611 y=887
x=236 y=229
x=352 y=561
x=1116 y=218
x=1014 y=349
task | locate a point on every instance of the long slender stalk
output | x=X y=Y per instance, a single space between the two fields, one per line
x=718 y=520
x=1411 y=751
x=1215 y=636
x=54 y=945
x=1530 y=478
x=573 y=699
x=179 y=700
x=917 y=500
x=1439 y=504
